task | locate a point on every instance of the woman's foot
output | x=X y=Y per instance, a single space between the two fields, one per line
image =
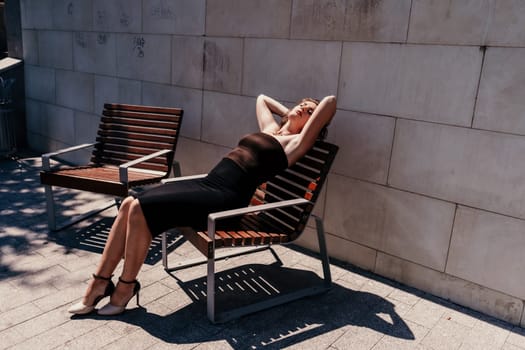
x=124 y=292
x=99 y=288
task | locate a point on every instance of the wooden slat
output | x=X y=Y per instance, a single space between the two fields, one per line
x=153 y=109
x=237 y=238
x=139 y=130
x=167 y=143
x=256 y=238
x=147 y=166
x=105 y=134
x=312 y=174
x=170 y=118
x=109 y=121
x=226 y=238
x=126 y=157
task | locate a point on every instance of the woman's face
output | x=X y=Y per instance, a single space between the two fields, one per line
x=301 y=112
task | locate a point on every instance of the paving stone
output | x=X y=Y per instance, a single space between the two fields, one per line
x=94 y=339
x=517 y=337
x=43 y=322
x=358 y=338
x=425 y=313
x=17 y=315
x=446 y=335
x=10 y=337
x=404 y=336
x=59 y=335
x=139 y=339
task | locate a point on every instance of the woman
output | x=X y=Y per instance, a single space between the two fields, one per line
x=229 y=185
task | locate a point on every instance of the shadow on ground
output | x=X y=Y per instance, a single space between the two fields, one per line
x=278 y=327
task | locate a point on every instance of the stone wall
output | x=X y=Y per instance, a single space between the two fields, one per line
x=429 y=185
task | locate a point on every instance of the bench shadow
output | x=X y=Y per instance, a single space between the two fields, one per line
x=278 y=327
x=93 y=237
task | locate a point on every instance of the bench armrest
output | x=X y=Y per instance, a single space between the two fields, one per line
x=46 y=165
x=123 y=168
x=213 y=217
x=182 y=178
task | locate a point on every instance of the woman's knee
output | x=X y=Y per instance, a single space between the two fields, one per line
x=126 y=202
x=135 y=211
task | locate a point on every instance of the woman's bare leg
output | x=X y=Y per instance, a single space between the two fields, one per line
x=113 y=253
x=138 y=240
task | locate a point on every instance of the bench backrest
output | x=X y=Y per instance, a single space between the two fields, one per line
x=128 y=132
x=304 y=179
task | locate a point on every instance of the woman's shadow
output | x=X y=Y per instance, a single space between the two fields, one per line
x=277 y=327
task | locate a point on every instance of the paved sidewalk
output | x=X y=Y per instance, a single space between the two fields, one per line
x=42 y=273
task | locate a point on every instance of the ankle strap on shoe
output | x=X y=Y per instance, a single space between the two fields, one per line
x=127 y=282
x=97 y=277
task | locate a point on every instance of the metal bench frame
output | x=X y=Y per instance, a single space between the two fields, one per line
x=206 y=243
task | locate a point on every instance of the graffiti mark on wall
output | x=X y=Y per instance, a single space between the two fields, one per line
x=162 y=10
x=138 y=46
x=124 y=19
x=102 y=38
x=101 y=17
x=217 y=63
x=80 y=39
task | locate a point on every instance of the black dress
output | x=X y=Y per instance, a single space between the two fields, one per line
x=230 y=184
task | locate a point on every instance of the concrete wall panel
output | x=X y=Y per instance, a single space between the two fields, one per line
x=365 y=143
x=30 y=46
x=55 y=49
x=75 y=90
x=291 y=70
x=449 y=22
x=188 y=99
x=458 y=290
x=123 y=16
x=72 y=15
x=115 y=90
x=95 y=53
x=251 y=18
x=208 y=155
x=37 y=14
x=476 y=168
x=435 y=83
x=174 y=16
x=58 y=123
x=350 y=20
x=501 y=97
x=485 y=244
x=413 y=227
x=226 y=118
x=507 y=22
x=144 y=57
x=187 y=59
x=40 y=83
x=223 y=64
x=339 y=248
x=33 y=116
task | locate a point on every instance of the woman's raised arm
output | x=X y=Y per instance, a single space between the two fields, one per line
x=265 y=108
x=322 y=116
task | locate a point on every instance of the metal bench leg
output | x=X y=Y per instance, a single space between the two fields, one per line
x=210 y=292
x=51 y=211
x=164 y=245
x=50 y=203
x=323 y=251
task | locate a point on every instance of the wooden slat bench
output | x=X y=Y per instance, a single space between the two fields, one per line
x=278 y=214
x=135 y=146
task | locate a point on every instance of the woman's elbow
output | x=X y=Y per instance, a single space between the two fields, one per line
x=331 y=100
